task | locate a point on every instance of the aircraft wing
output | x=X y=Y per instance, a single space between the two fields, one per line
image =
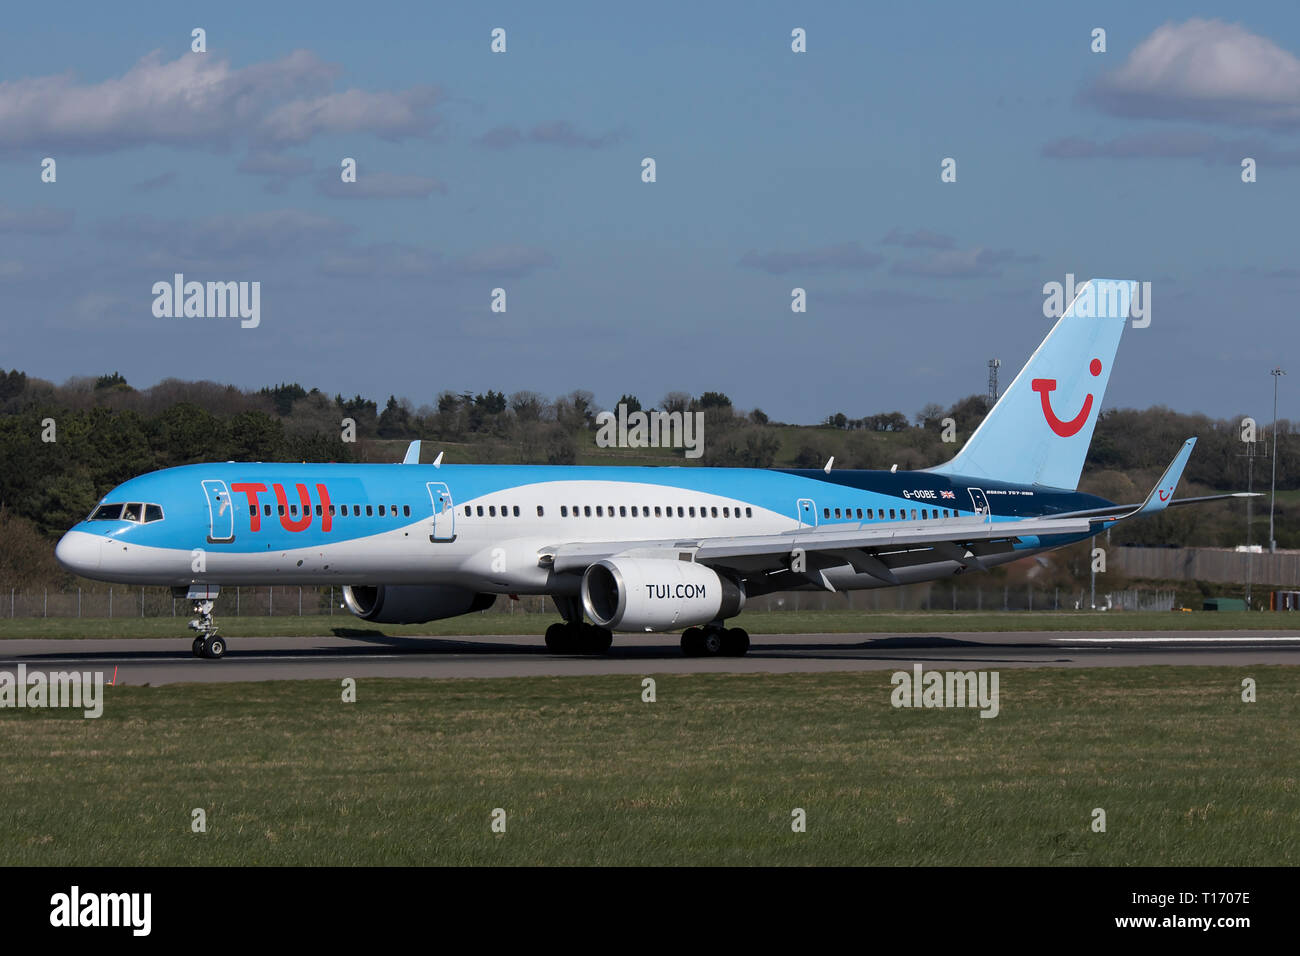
x=870 y=547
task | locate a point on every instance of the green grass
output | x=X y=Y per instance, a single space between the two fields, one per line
x=709 y=774
x=756 y=622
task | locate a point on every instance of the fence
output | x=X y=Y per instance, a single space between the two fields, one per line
x=117 y=602
x=1281 y=568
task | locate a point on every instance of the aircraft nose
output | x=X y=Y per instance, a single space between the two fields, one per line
x=79 y=552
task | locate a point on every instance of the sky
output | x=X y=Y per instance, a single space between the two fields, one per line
x=522 y=170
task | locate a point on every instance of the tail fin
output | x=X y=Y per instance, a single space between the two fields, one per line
x=1039 y=431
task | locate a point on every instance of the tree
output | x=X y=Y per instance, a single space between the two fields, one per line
x=676 y=402
x=111 y=381
x=930 y=416
x=394 y=421
x=283 y=396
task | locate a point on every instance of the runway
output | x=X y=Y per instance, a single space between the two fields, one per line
x=371 y=654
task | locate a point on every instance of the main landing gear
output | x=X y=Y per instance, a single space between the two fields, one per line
x=577 y=637
x=207 y=644
x=573 y=635
x=714 y=640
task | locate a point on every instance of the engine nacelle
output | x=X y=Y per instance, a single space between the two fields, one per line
x=657 y=594
x=412 y=603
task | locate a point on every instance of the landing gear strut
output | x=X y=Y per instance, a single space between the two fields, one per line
x=714 y=640
x=577 y=637
x=207 y=644
x=573 y=635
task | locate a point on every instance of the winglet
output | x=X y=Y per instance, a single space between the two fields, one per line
x=1163 y=492
x=412 y=453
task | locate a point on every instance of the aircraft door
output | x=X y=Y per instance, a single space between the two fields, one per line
x=981 y=504
x=221 y=512
x=444 y=513
x=806 y=512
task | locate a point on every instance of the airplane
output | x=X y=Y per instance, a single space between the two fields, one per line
x=631 y=549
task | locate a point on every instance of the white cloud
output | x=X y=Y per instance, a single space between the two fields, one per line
x=390 y=115
x=380 y=185
x=35 y=220
x=201 y=101
x=1205 y=70
x=844 y=256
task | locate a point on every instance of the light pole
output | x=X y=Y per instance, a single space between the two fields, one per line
x=1277 y=373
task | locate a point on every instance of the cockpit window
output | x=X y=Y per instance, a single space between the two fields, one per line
x=135 y=511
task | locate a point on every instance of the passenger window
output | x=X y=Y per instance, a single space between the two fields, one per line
x=318 y=511
x=406 y=511
x=331 y=509
x=586 y=511
x=749 y=512
x=837 y=512
x=266 y=510
x=634 y=514
x=515 y=508
x=492 y=511
x=826 y=512
x=726 y=512
x=859 y=514
x=293 y=511
x=370 y=511
x=152 y=513
x=541 y=513
x=870 y=514
x=913 y=514
x=715 y=512
x=945 y=512
x=622 y=511
x=600 y=511
x=891 y=514
x=279 y=509
x=681 y=512
x=658 y=513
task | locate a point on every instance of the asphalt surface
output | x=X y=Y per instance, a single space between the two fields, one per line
x=166 y=661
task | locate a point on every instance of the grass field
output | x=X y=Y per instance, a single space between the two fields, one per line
x=757 y=622
x=588 y=773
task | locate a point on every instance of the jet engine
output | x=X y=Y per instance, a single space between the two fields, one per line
x=412 y=603
x=657 y=594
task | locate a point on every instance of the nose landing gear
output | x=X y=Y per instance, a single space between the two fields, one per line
x=207 y=644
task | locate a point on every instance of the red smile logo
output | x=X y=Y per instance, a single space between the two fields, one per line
x=1164 y=495
x=1045 y=387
